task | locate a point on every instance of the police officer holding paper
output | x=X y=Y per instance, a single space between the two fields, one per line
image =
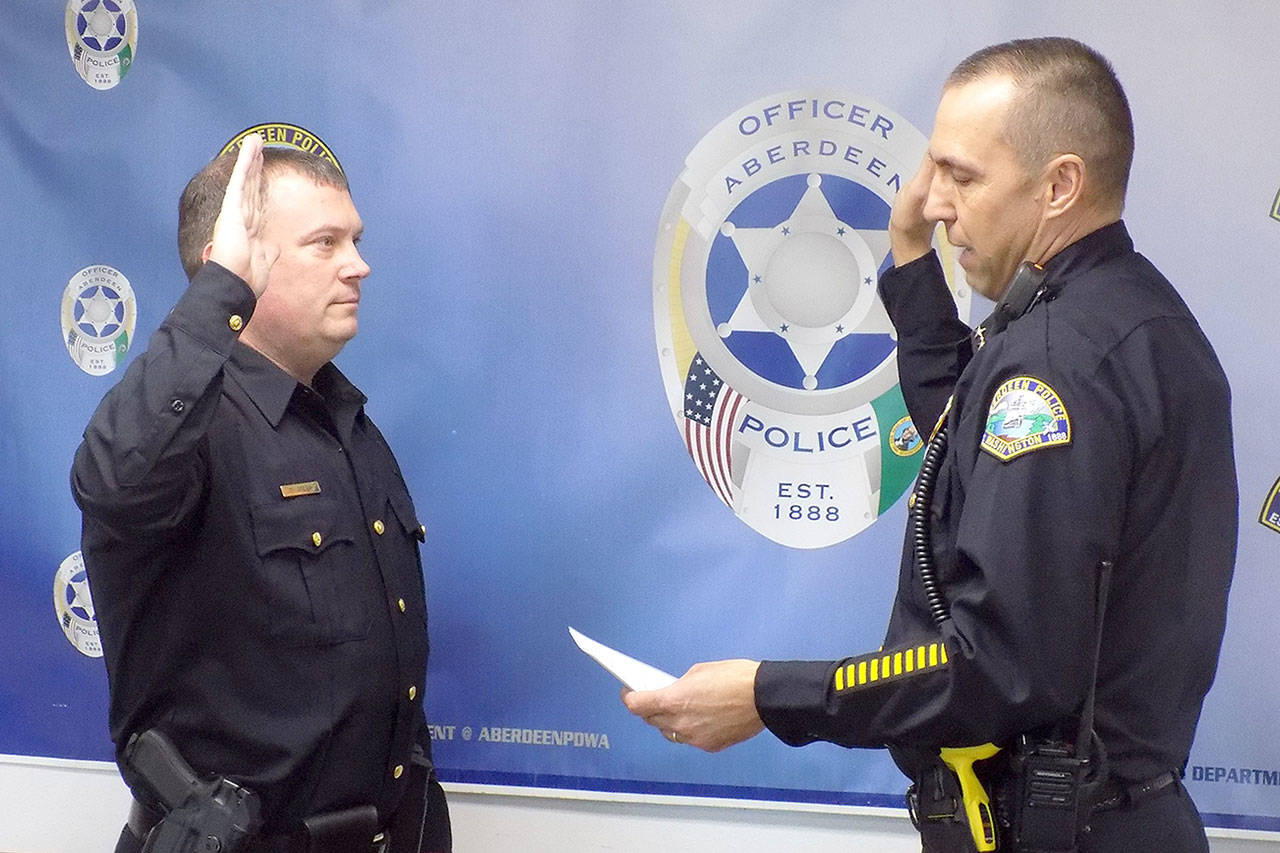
x=253 y=548
x=1063 y=587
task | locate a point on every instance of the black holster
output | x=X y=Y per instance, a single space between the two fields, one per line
x=201 y=814
x=937 y=810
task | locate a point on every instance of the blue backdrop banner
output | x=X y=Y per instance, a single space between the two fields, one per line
x=581 y=334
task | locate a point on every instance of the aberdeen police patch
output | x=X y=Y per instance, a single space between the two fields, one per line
x=776 y=353
x=98 y=316
x=1026 y=414
x=74 y=606
x=102 y=36
x=285 y=135
x=1270 y=515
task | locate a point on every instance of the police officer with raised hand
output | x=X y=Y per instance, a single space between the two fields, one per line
x=252 y=546
x=1063 y=587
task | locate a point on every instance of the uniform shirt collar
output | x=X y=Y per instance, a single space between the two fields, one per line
x=343 y=400
x=1091 y=250
x=272 y=390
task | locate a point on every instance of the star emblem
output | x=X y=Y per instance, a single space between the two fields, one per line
x=810 y=280
x=79 y=598
x=99 y=27
x=98 y=310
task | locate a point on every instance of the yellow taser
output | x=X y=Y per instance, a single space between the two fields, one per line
x=977 y=805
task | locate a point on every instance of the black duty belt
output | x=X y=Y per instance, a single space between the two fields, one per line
x=1119 y=794
x=345 y=831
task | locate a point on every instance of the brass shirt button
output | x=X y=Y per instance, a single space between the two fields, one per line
x=236 y=322
x=400 y=604
x=317 y=538
x=398 y=771
x=413 y=692
x=379 y=528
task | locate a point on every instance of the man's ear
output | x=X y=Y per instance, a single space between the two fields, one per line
x=206 y=251
x=1064 y=180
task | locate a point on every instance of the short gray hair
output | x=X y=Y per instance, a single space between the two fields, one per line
x=1069 y=102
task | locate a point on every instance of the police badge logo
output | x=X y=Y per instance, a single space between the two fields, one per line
x=102 y=36
x=74 y=606
x=777 y=356
x=285 y=135
x=98 y=316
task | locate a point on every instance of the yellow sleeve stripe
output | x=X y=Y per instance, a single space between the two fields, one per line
x=879 y=667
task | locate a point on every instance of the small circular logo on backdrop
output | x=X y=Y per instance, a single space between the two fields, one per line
x=102 y=36
x=98 y=315
x=287 y=136
x=777 y=355
x=904 y=438
x=74 y=606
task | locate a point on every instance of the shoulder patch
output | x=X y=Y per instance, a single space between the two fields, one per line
x=1026 y=414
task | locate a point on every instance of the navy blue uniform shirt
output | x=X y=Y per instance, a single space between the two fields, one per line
x=253 y=555
x=1095 y=427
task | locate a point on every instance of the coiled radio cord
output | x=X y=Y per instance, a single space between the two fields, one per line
x=919 y=506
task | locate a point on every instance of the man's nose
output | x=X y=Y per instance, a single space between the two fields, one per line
x=356 y=266
x=937 y=204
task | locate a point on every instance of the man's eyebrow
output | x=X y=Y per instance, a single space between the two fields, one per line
x=333 y=228
x=951 y=164
x=944 y=161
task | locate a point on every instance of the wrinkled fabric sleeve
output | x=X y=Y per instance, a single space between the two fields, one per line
x=933 y=343
x=139 y=469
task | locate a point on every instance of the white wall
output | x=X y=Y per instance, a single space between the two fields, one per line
x=78 y=807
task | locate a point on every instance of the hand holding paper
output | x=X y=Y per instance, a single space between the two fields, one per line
x=712 y=706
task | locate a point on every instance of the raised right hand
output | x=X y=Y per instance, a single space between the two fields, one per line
x=238 y=242
x=910 y=233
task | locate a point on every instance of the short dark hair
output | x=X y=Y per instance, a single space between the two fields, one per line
x=202 y=199
x=1069 y=101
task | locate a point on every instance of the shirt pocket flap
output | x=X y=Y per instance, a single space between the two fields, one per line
x=311 y=524
x=402 y=508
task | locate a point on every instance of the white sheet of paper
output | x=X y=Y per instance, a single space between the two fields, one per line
x=635 y=674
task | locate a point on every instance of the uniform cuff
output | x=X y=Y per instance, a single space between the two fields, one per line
x=791 y=697
x=215 y=308
x=916 y=295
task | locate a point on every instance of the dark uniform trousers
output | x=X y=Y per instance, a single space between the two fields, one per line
x=1165 y=823
x=419 y=825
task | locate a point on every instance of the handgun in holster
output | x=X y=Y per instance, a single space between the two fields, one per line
x=201 y=814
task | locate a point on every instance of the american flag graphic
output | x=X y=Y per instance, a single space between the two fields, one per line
x=710 y=409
